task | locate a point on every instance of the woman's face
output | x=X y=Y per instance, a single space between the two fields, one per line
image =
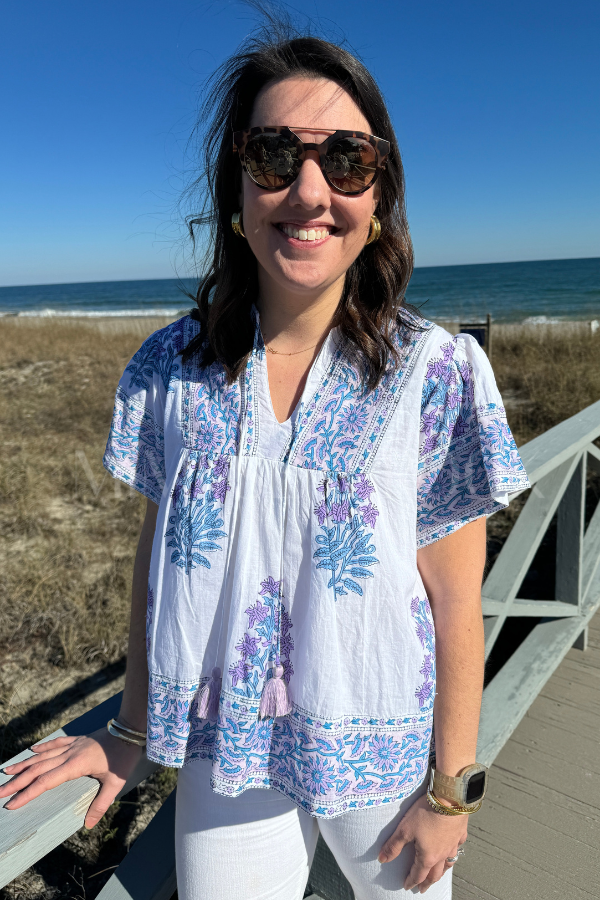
x=309 y=203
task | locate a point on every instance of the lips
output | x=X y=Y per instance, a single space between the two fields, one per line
x=308 y=233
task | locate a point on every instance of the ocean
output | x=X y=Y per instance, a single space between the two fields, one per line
x=538 y=292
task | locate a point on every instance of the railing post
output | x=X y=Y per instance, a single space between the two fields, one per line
x=569 y=537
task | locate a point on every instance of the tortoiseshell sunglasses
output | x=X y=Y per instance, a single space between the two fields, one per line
x=272 y=156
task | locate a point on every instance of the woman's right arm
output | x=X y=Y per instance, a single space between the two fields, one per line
x=100 y=755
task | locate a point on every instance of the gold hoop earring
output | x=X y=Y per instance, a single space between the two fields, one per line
x=374 y=230
x=237 y=224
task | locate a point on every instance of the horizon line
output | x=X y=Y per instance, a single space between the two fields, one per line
x=194 y=278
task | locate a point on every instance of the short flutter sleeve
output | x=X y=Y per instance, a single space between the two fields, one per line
x=135 y=449
x=468 y=459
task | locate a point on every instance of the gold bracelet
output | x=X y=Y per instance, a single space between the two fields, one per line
x=450 y=810
x=123 y=737
x=121 y=727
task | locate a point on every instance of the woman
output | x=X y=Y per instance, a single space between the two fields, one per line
x=318 y=462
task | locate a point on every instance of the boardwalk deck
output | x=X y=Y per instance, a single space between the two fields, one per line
x=538 y=834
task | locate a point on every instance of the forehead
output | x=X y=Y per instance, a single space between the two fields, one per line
x=312 y=102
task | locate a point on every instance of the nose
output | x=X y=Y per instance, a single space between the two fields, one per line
x=310 y=190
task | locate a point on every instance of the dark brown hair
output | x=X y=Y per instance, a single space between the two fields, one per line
x=375 y=282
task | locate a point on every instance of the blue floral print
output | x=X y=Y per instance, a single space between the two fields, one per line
x=341 y=427
x=346 y=516
x=421 y=612
x=325 y=766
x=157 y=355
x=197 y=500
x=258 y=646
x=467 y=452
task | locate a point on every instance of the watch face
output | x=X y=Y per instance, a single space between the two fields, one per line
x=475 y=787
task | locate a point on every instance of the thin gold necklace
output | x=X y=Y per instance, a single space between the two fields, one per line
x=294 y=352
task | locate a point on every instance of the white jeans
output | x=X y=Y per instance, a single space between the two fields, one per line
x=260 y=845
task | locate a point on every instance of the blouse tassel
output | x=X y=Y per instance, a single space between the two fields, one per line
x=210 y=694
x=275 y=700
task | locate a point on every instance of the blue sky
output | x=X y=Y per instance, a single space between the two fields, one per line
x=495 y=105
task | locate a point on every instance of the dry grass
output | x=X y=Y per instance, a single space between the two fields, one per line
x=68 y=533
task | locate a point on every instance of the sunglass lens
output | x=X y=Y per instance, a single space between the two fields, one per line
x=351 y=164
x=272 y=160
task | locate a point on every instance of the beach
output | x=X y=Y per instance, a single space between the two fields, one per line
x=68 y=532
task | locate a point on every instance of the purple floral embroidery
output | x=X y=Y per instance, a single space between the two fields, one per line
x=421 y=612
x=354 y=418
x=319 y=775
x=344 y=546
x=385 y=752
x=269 y=586
x=364 y=488
x=258 y=650
x=257 y=614
x=369 y=514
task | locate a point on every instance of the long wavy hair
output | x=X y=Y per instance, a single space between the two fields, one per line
x=376 y=281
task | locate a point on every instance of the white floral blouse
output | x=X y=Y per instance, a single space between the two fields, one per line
x=297 y=542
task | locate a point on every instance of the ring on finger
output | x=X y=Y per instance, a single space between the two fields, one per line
x=451 y=859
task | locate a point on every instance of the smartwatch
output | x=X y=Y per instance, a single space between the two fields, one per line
x=467 y=788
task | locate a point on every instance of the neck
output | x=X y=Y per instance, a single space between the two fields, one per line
x=294 y=320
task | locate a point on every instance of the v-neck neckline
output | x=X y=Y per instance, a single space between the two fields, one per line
x=315 y=374
x=275 y=437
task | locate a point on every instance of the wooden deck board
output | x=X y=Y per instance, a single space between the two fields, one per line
x=538 y=834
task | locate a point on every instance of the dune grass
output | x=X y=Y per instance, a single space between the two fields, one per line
x=68 y=532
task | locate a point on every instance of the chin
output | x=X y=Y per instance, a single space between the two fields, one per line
x=299 y=280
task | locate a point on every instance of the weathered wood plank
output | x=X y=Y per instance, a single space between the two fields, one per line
x=589 y=664
x=520 y=547
x=148 y=870
x=463 y=890
x=533 y=608
x=548 y=770
x=557 y=743
x=512 y=792
x=572 y=718
x=510 y=568
x=561 y=689
x=553 y=447
x=29 y=833
x=570 y=523
x=510 y=694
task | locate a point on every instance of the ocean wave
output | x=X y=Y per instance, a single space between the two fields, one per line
x=95 y=313
x=545 y=320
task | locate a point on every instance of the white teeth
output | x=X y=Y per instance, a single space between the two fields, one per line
x=302 y=234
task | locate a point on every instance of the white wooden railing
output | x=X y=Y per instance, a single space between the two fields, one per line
x=556 y=463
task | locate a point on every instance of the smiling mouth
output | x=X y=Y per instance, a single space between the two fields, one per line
x=305 y=234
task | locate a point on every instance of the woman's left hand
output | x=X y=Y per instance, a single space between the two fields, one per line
x=436 y=838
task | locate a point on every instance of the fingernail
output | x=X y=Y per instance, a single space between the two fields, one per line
x=382 y=857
